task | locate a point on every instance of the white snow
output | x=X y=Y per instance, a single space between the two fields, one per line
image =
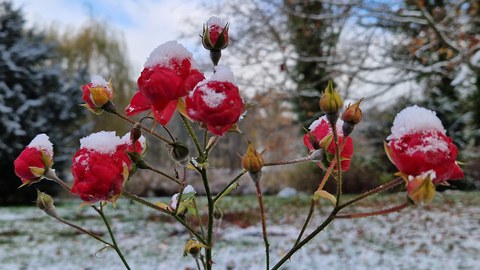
x=214 y=20
x=42 y=142
x=424 y=175
x=211 y=98
x=322 y=119
x=97 y=80
x=431 y=142
x=414 y=119
x=104 y=142
x=174 y=201
x=163 y=54
x=223 y=74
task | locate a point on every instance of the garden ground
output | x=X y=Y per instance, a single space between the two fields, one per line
x=442 y=235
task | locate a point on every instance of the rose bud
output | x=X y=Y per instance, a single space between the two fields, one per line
x=179 y=153
x=252 y=161
x=169 y=74
x=351 y=116
x=330 y=101
x=45 y=203
x=97 y=93
x=215 y=34
x=216 y=102
x=35 y=160
x=419 y=144
x=323 y=134
x=420 y=189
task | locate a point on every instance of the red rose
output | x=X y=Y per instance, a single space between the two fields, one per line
x=418 y=144
x=216 y=102
x=34 y=160
x=215 y=34
x=96 y=94
x=101 y=166
x=322 y=131
x=169 y=74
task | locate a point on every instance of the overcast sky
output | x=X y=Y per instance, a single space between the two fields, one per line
x=144 y=23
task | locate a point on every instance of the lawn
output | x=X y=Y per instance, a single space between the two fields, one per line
x=442 y=235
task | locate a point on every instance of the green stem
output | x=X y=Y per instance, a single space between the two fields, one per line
x=376 y=213
x=82 y=230
x=187 y=125
x=264 y=224
x=309 y=237
x=142 y=201
x=197 y=263
x=221 y=193
x=211 y=204
x=339 y=164
x=164 y=174
x=112 y=236
x=309 y=216
x=199 y=218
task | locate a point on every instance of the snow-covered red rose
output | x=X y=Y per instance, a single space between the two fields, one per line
x=35 y=160
x=168 y=75
x=419 y=145
x=215 y=34
x=101 y=166
x=97 y=93
x=216 y=102
x=322 y=134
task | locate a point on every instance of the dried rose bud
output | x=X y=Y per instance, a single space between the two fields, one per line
x=252 y=161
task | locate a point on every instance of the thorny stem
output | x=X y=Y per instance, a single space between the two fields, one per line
x=164 y=174
x=285 y=162
x=264 y=224
x=82 y=230
x=187 y=125
x=221 y=193
x=142 y=201
x=339 y=167
x=112 y=236
x=199 y=218
x=376 y=213
x=309 y=216
x=143 y=127
x=309 y=237
x=395 y=182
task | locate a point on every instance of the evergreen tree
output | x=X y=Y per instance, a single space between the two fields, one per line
x=35 y=97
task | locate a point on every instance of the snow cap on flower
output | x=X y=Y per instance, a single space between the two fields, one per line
x=164 y=53
x=414 y=119
x=170 y=73
x=216 y=102
x=35 y=160
x=419 y=144
x=97 y=93
x=101 y=166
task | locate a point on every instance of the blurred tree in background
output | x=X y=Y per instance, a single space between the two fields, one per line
x=36 y=96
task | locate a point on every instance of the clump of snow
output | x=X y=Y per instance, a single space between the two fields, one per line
x=214 y=20
x=163 y=54
x=424 y=175
x=322 y=120
x=97 y=80
x=414 y=119
x=187 y=190
x=42 y=142
x=223 y=74
x=104 y=142
x=211 y=98
x=431 y=142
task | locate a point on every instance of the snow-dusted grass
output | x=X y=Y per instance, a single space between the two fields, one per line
x=442 y=235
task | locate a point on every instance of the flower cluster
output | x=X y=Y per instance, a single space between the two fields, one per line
x=422 y=152
x=101 y=166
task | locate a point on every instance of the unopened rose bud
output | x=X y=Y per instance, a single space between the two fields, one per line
x=136 y=132
x=179 y=153
x=331 y=102
x=45 y=203
x=351 y=116
x=252 y=161
x=97 y=94
x=215 y=34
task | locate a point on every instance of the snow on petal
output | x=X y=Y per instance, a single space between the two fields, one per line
x=414 y=119
x=163 y=54
x=41 y=141
x=104 y=142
